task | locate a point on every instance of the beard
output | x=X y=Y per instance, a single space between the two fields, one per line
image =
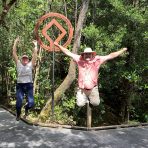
x=87 y=59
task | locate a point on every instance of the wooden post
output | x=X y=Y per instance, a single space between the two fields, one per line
x=89 y=115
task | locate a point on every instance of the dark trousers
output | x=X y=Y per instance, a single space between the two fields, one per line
x=21 y=90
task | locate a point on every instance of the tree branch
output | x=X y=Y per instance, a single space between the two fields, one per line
x=72 y=68
x=5 y=10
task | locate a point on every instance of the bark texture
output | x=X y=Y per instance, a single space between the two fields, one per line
x=72 y=68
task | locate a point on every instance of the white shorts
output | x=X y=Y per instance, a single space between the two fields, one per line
x=84 y=96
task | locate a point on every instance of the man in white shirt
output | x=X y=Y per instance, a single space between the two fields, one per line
x=24 y=84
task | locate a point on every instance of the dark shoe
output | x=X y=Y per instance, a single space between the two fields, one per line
x=26 y=113
x=18 y=118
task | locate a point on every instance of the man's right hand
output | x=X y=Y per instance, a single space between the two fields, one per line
x=17 y=39
x=56 y=44
x=63 y=49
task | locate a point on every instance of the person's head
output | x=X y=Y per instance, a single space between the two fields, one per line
x=88 y=54
x=25 y=59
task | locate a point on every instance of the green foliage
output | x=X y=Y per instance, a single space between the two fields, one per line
x=12 y=72
x=63 y=111
x=39 y=102
x=109 y=26
x=132 y=77
x=98 y=38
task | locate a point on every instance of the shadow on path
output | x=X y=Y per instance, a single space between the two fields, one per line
x=15 y=134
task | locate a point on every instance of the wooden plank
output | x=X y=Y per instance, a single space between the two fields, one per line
x=89 y=116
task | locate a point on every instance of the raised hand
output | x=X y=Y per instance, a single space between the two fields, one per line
x=125 y=49
x=17 y=39
x=35 y=43
x=56 y=44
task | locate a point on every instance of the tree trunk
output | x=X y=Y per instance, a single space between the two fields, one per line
x=37 y=69
x=72 y=68
x=5 y=9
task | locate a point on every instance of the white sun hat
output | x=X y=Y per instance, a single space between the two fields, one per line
x=25 y=56
x=88 y=50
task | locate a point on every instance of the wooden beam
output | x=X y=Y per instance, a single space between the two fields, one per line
x=89 y=116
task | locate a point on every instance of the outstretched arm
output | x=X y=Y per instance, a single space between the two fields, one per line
x=34 y=55
x=65 y=50
x=114 y=54
x=14 y=53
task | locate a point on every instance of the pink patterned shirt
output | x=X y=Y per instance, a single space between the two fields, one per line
x=88 y=71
